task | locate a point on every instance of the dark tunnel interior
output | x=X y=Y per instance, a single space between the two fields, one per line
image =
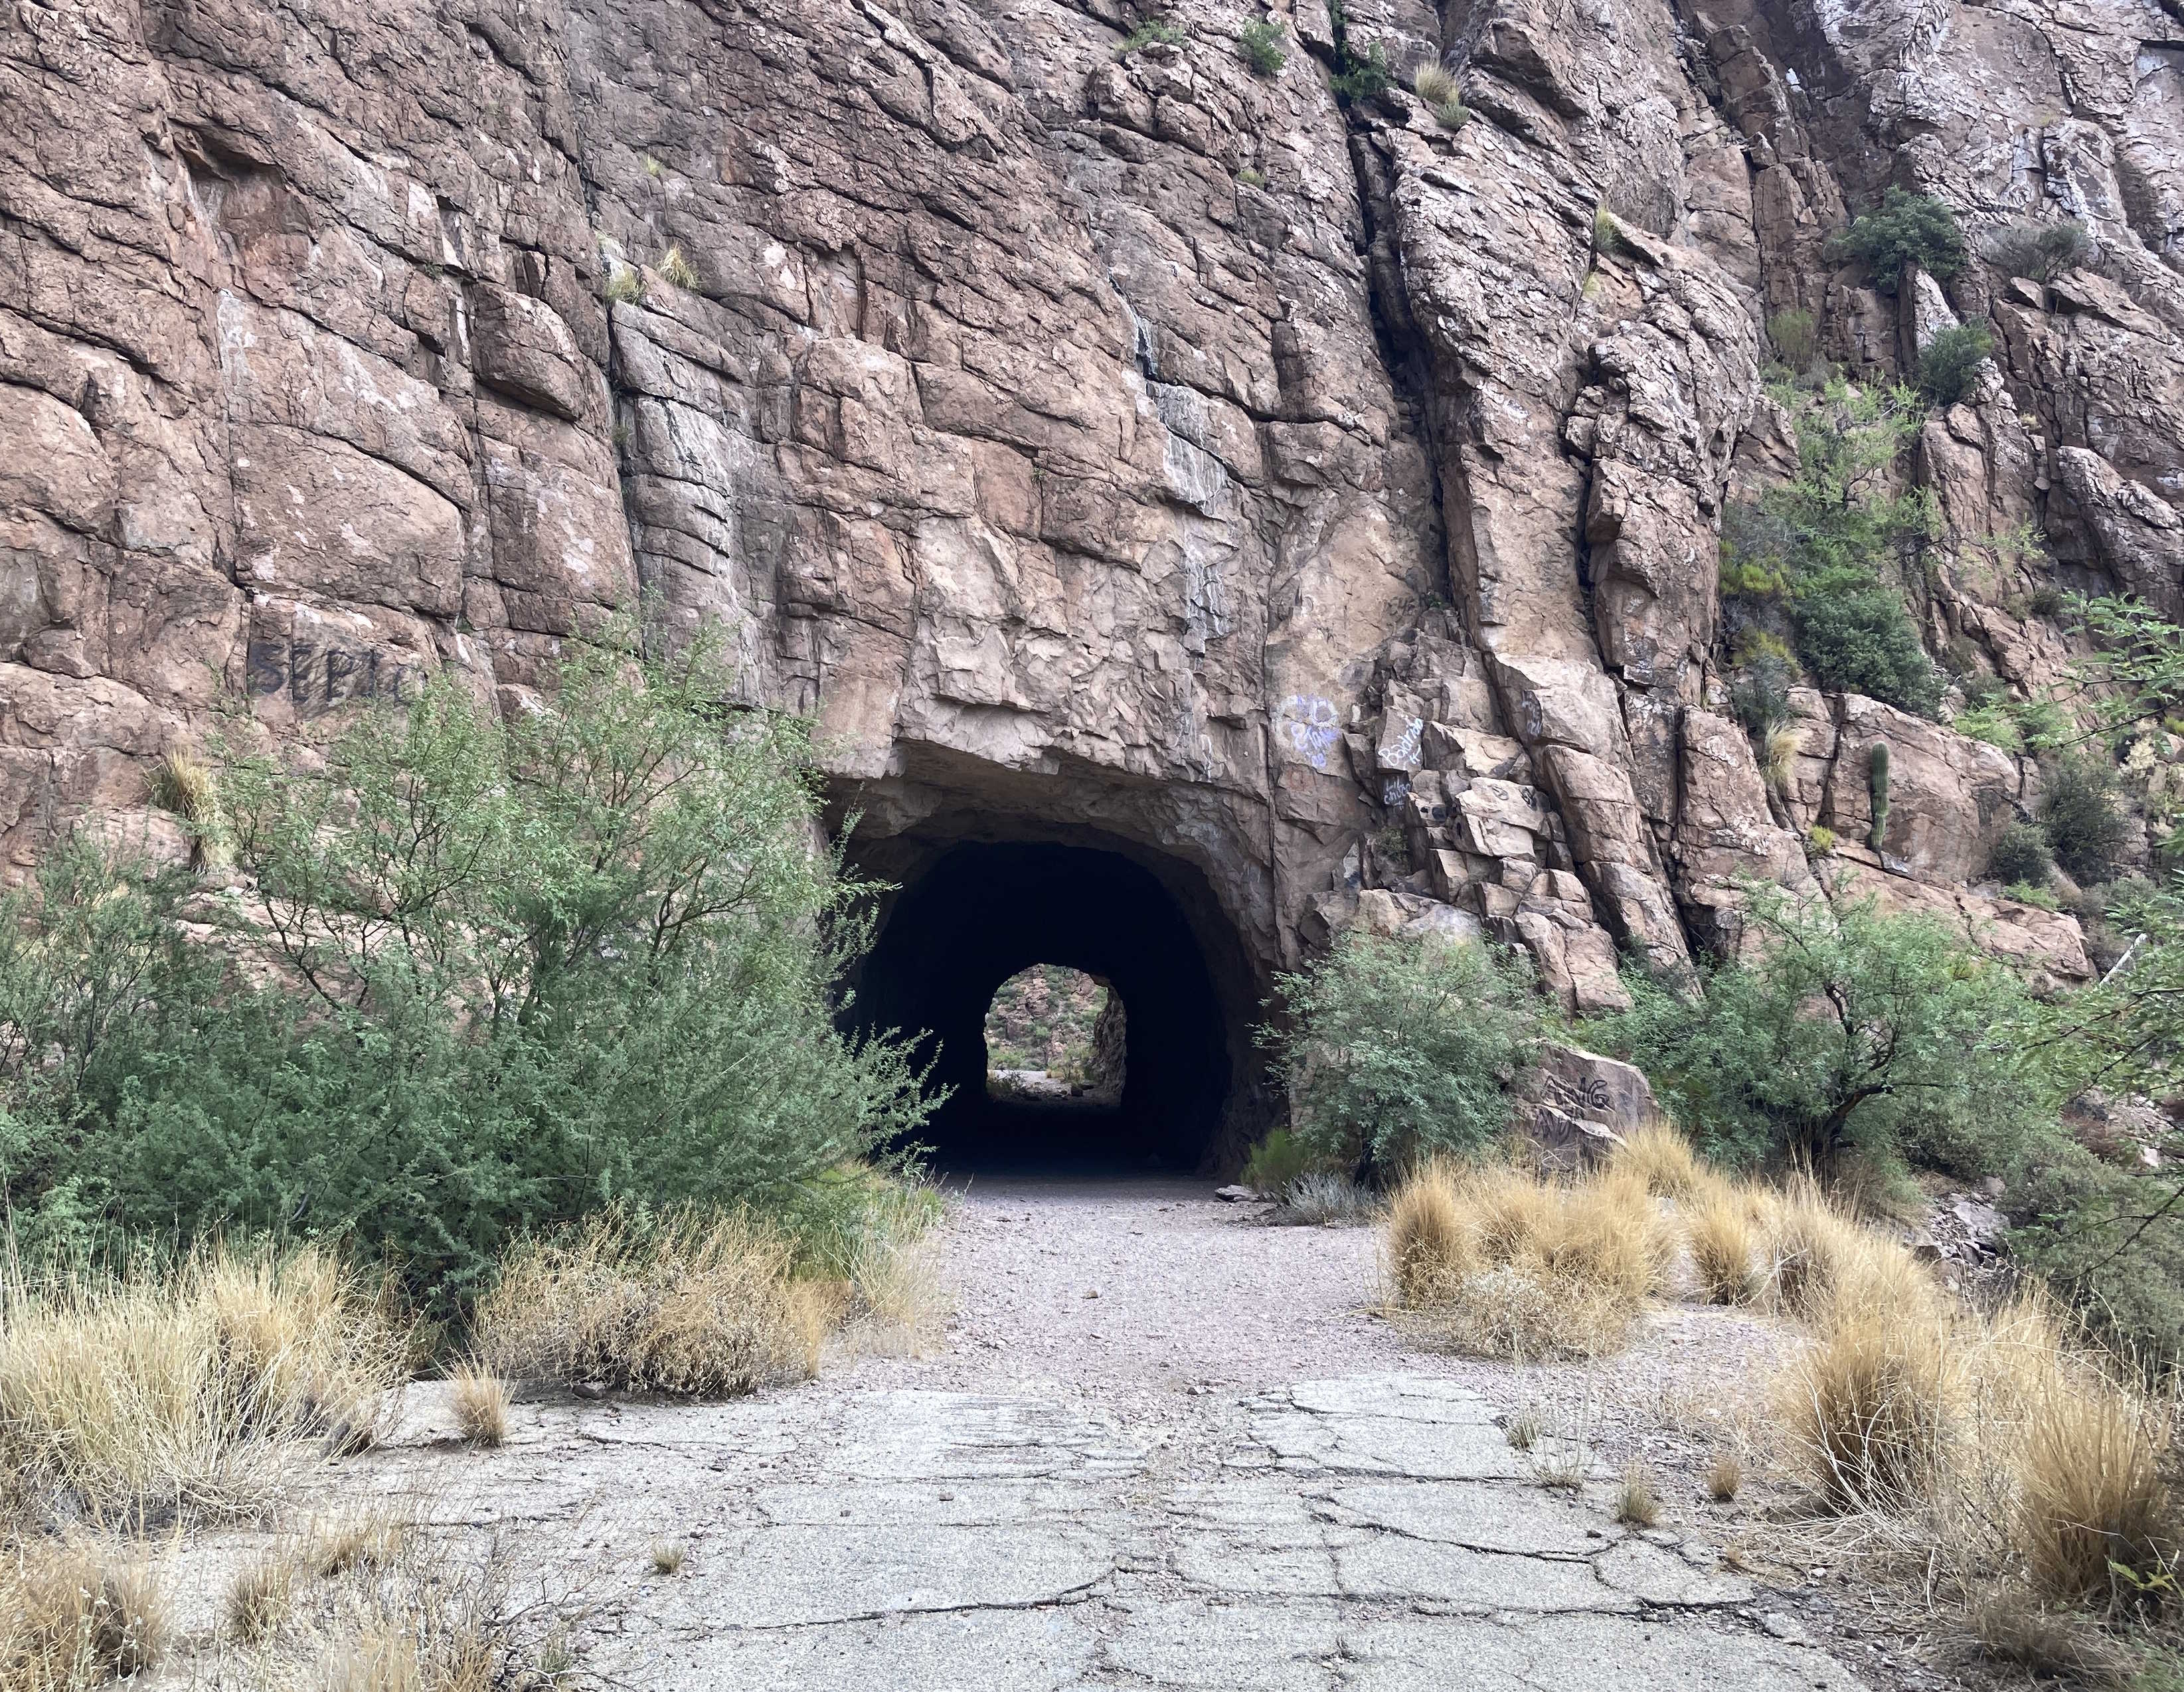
x=981 y=911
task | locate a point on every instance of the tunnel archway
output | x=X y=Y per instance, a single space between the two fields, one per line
x=972 y=913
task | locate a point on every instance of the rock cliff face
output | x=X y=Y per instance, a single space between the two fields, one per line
x=1312 y=501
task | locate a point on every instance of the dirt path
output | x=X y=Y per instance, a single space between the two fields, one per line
x=1161 y=1446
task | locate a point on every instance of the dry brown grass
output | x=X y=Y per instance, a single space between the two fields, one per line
x=1434 y=82
x=200 y=1388
x=482 y=1401
x=373 y=1605
x=1498 y=1262
x=1995 y=1452
x=693 y=1305
x=668 y=1556
x=2091 y=1501
x=899 y=1304
x=75 y=1614
x=372 y=1540
x=1721 y=1228
x=1427 y=1242
x=1659 y=1155
x=2014 y=1626
x=1636 y=1503
x=1724 y=1476
x=1868 y=1406
x=263 y=1594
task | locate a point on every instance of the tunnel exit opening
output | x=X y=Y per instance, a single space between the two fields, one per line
x=971 y=918
x=1059 y=1034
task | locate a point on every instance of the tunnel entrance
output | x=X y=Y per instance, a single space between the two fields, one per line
x=970 y=916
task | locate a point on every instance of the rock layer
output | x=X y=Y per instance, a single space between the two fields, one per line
x=1091 y=439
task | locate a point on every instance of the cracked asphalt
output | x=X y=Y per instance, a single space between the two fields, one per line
x=1159 y=1448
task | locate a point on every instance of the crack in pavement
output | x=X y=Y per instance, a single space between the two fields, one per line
x=1357 y=1529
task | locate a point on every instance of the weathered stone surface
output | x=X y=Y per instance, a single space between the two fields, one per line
x=1091 y=442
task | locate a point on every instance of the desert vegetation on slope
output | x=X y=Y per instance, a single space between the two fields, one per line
x=1398 y=1048
x=469 y=978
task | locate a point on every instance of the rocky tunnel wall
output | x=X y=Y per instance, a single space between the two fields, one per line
x=1316 y=496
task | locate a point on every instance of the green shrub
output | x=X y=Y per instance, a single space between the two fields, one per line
x=1277 y=1160
x=2084 y=827
x=1364 y=75
x=1822 y=536
x=1153 y=32
x=1905 y=229
x=1856 y=637
x=2020 y=855
x=1994 y=722
x=1260 y=45
x=2028 y=892
x=1795 y=338
x=2100 y=1236
x=1912 y=1056
x=479 y=978
x=1951 y=361
x=2038 y=250
x=1395 y=1049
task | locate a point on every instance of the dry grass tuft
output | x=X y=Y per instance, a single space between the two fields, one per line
x=1722 y=1230
x=2021 y=1470
x=2092 y=1502
x=1778 y=756
x=1499 y=1263
x=1636 y=1504
x=182 y=784
x=1435 y=83
x=1724 y=1476
x=262 y=1596
x=1427 y=1242
x=677 y=271
x=2014 y=1626
x=391 y=1610
x=896 y=1287
x=1659 y=1155
x=374 y=1540
x=667 y=1557
x=694 y=1304
x=1522 y=1430
x=1870 y=1405
x=73 y=1617
x=1822 y=1263
x=198 y=1388
x=482 y=1400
